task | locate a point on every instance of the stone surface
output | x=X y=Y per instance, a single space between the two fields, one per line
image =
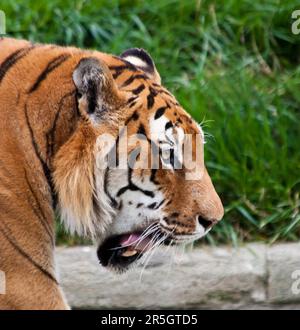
x=205 y=278
x=283 y=267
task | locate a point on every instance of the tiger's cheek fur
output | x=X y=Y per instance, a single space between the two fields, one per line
x=78 y=180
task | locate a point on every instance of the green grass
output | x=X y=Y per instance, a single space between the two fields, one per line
x=234 y=64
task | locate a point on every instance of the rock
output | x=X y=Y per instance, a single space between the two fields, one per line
x=208 y=277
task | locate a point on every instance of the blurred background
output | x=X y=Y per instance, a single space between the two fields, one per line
x=234 y=65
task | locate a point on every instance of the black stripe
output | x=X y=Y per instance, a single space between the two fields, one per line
x=122 y=190
x=92 y=97
x=135 y=188
x=160 y=204
x=150 y=101
x=159 y=112
x=164 y=91
x=132 y=78
x=50 y=135
x=150 y=97
x=131 y=99
x=168 y=125
x=27 y=256
x=40 y=214
x=126 y=66
x=152 y=206
x=138 y=90
x=117 y=74
x=120 y=205
x=142 y=130
x=12 y=59
x=115 y=150
x=114 y=203
x=135 y=116
x=131 y=186
x=52 y=65
x=152 y=177
x=132 y=104
x=175 y=103
x=45 y=167
x=119 y=69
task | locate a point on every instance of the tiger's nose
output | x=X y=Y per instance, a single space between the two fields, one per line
x=206 y=223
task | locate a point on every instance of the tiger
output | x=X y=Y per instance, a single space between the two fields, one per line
x=56 y=104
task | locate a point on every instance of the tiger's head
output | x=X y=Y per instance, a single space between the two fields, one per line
x=132 y=176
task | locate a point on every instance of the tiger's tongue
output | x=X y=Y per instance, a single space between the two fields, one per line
x=134 y=242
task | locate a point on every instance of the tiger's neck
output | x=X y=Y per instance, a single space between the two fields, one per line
x=27 y=198
x=50 y=129
x=32 y=129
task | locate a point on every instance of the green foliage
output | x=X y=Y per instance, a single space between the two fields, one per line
x=233 y=64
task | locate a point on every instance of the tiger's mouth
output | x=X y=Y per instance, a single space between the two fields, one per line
x=120 y=251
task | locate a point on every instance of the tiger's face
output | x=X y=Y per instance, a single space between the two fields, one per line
x=136 y=177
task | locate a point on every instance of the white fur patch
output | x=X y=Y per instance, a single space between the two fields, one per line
x=136 y=61
x=157 y=128
x=131 y=217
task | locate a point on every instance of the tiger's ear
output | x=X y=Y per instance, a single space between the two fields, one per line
x=98 y=94
x=142 y=61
